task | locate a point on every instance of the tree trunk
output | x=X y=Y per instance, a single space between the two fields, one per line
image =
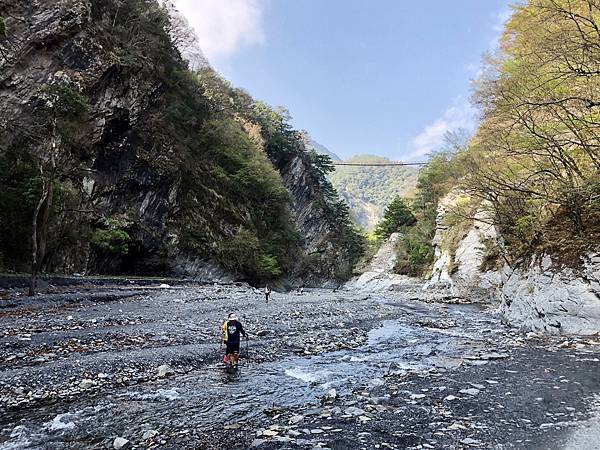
x=38 y=250
x=34 y=240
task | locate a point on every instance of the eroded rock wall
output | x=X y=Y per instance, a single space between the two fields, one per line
x=542 y=297
x=126 y=172
x=461 y=270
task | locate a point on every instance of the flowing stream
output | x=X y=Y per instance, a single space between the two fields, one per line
x=209 y=396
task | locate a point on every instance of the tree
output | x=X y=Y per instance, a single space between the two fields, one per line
x=61 y=108
x=396 y=216
x=536 y=155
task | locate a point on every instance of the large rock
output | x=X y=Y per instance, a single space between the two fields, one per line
x=379 y=275
x=461 y=270
x=164 y=371
x=554 y=300
x=121 y=443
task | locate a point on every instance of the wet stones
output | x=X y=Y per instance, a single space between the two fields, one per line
x=149 y=434
x=354 y=411
x=469 y=391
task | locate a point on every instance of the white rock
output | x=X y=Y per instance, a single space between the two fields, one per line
x=86 y=384
x=296 y=419
x=331 y=394
x=120 y=443
x=556 y=301
x=149 y=434
x=417 y=396
x=354 y=411
x=165 y=370
x=470 y=391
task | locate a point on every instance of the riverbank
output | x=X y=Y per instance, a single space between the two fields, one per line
x=85 y=365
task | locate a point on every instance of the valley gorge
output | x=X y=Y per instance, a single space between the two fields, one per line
x=144 y=199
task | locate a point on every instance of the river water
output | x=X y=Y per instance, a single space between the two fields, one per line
x=424 y=338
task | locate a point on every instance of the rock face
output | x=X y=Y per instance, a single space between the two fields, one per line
x=379 y=275
x=541 y=298
x=122 y=172
x=461 y=269
x=538 y=296
x=326 y=258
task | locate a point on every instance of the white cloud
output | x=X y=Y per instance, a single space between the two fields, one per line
x=460 y=115
x=224 y=26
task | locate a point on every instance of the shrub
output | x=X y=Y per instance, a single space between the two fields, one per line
x=114 y=242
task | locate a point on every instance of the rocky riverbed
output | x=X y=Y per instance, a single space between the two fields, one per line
x=138 y=365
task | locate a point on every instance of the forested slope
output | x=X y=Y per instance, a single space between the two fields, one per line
x=121 y=159
x=369 y=189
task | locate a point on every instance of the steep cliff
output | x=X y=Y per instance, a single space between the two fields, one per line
x=137 y=165
x=465 y=262
x=538 y=293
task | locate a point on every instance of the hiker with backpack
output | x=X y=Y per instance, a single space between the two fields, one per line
x=232 y=330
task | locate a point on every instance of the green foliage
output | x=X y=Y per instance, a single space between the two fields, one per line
x=66 y=102
x=3 y=32
x=397 y=215
x=414 y=250
x=138 y=31
x=220 y=148
x=535 y=155
x=111 y=241
x=491 y=256
x=243 y=253
x=281 y=140
x=19 y=190
x=367 y=190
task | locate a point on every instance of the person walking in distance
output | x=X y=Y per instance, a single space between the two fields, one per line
x=267 y=293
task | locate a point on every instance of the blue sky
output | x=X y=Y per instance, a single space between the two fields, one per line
x=385 y=77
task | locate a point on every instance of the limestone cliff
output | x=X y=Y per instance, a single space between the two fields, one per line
x=539 y=293
x=461 y=252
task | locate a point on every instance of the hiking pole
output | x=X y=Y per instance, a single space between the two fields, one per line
x=247 y=351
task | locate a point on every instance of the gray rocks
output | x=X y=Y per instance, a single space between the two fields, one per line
x=470 y=391
x=149 y=434
x=541 y=297
x=354 y=411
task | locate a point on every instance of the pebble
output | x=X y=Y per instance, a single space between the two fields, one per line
x=86 y=384
x=470 y=391
x=354 y=411
x=296 y=419
x=149 y=434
